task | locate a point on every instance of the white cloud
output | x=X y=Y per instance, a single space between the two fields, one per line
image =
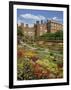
x=34 y=17
x=56 y=18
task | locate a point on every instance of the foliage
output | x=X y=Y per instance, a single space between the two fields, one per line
x=52 y=36
x=25 y=70
x=19 y=35
x=39 y=63
x=20 y=32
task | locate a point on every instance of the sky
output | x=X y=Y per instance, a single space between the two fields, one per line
x=28 y=16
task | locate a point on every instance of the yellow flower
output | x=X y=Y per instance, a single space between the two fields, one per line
x=30 y=53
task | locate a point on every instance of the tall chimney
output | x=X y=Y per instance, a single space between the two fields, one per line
x=37 y=22
x=41 y=21
x=22 y=24
x=26 y=25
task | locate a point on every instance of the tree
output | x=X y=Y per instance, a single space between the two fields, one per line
x=20 y=35
x=52 y=36
x=59 y=35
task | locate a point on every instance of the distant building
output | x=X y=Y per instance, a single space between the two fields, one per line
x=53 y=26
x=41 y=28
x=27 y=31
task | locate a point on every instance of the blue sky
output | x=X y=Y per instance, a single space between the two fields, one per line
x=30 y=17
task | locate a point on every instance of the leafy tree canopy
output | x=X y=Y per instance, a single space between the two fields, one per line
x=20 y=32
x=52 y=36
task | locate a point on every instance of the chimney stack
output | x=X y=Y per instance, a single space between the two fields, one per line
x=37 y=22
x=41 y=21
x=22 y=24
x=26 y=25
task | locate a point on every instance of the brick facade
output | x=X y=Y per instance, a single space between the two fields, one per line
x=41 y=28
x=53 y=26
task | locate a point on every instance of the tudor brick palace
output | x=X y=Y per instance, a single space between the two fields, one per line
x=40 y=28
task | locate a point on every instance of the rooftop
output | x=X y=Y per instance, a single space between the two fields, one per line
x=53 y=21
